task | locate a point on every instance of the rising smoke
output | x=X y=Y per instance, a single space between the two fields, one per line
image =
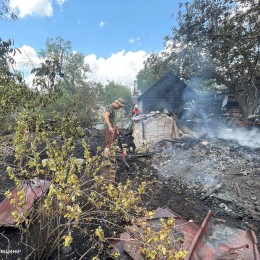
x=244 y=137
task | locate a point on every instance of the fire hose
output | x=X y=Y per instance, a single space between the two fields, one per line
x=119 y=138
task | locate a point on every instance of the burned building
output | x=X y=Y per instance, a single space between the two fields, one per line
x=169 y=111
x=169 y=92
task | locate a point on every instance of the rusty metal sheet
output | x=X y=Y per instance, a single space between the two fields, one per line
x=129 y=248
x=119 y=248
x=216 y=241
x=185 y=229
x=32 y=191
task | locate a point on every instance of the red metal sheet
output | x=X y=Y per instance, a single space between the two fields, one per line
x=183 y=229
x=215 y=240
x=32 y=193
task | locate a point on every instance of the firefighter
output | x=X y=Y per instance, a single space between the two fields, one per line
x=136 y=111
x=187 y=111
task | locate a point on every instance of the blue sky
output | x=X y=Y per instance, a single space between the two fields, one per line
x=116 y=34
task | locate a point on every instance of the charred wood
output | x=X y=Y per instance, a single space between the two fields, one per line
x=206 y=195
x=238 y=190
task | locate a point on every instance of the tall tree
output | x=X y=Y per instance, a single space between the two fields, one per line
x=227 y=35
x=79 y=93
x=14 y=92
x=218 y=40
x=113 y=91
x=57 y=49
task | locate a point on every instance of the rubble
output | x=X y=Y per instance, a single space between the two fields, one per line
x=216 y=170
x=213 y=240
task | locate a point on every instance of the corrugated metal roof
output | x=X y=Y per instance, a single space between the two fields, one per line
x=33 y=191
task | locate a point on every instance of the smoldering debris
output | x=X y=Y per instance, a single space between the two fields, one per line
x=244 y=137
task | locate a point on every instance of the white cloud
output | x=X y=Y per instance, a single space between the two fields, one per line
x=26 y=61
x=34 y=7
x=101 y=24
x=61 y=2
x=135 y=40
x=121 y=67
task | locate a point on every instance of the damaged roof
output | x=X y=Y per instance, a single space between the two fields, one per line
x=168 y=92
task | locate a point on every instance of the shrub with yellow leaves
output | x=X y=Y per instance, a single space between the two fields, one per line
x=160 y=244
x=79 y=197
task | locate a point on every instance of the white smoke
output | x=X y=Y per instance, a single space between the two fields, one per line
x=244 y=137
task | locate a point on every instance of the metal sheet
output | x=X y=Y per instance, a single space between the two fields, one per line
x=128 y=245
x=215 y=241
x=32 y=193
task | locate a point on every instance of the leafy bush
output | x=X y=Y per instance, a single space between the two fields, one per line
x=80 y=198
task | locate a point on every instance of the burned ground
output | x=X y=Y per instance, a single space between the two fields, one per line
x=189 y=176
x=215 y=174
x=192 y=176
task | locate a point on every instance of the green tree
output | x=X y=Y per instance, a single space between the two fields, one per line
x=14 y=92
x=5 y=11
x=79 y=94
x=151 y=72
x=217 y=41
x=58 y=49
x=113 y=91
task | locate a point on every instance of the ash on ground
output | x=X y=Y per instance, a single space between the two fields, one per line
x=216 y=174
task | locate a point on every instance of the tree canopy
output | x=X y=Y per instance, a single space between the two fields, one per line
x=219 y=39
x=113 y=91
x=6 y=12
x=79 y=94
x=214 y=41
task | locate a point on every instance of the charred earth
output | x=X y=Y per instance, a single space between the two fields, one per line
x=189 y=176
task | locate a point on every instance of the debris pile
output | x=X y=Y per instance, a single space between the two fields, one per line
x=214 y=169
x=213 y=240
